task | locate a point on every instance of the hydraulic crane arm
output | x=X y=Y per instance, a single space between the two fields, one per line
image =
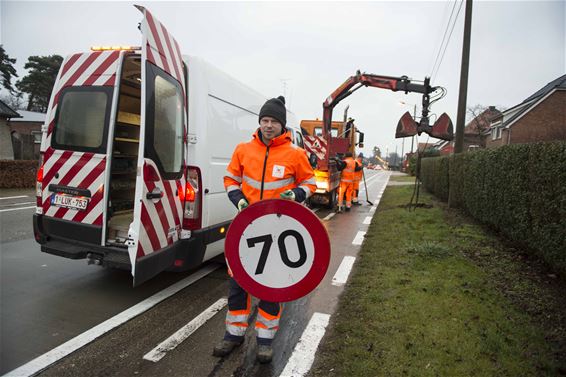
x=394 y=84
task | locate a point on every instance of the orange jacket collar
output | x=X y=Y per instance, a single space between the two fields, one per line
x=279 y=140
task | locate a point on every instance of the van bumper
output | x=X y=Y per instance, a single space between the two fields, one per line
x=183 y=255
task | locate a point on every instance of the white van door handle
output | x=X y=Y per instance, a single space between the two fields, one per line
x=155 y=194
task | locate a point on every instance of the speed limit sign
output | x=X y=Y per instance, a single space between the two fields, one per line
x=278 y=250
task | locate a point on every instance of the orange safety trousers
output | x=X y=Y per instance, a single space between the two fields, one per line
x=239 y=310
x=346 y=188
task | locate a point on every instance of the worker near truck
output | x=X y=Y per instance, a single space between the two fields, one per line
x=358 y=175
x=267 y=167
x=347 y=181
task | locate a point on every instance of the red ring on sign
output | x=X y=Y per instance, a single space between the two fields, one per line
x=298 y=212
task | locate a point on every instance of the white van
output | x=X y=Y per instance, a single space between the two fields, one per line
x=134 y=150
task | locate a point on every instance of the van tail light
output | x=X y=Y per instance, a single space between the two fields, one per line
x=39 y=185
x=192 y=214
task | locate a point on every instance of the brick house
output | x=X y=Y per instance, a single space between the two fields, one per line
x=6 y=149
x=26 y=134
x=541 y=117
x=474 y=132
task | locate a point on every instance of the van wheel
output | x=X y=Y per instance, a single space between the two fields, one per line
x=331 y=199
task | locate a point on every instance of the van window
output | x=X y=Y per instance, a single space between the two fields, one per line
x=81 y=119
x=165 y=121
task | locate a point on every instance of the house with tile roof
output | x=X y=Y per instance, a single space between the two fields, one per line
x=540 y=117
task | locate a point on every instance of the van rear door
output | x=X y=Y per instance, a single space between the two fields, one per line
x=74 y=146
x=160 y=183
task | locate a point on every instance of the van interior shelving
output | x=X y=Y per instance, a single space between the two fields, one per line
x=125 y=154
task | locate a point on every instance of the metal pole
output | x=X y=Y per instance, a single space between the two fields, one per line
x=461 y=118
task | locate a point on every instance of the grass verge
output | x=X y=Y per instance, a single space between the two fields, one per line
x=433 y=294
x=402 y=178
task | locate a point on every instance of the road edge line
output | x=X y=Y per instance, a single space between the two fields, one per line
x=304 y=352
x=184 y=332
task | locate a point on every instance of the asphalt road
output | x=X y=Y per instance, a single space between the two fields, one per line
x=48 y=300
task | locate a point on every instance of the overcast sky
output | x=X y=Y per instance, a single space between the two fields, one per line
x=305 y=50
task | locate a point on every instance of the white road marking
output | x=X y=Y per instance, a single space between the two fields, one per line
x=343 y=271
x=14 y=197
x=372 y=209
x=15 y=209
x=184 y=332
x=329 y=216
x=367 y=220
x=302 y=358
x=315 y=210
x=17 y=204
x=41 y=362
x=359 y=238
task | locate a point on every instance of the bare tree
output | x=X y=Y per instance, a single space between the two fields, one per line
x=15 y=101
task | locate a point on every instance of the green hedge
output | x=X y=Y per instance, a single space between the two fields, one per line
x=18 y=173
x=519 y=190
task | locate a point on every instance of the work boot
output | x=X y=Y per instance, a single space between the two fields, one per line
x=357 y=203
x=225 y=347
x=264 y=353
x=339 y=209
x=348 y=209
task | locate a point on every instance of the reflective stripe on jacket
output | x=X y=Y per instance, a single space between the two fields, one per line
x=264 y=172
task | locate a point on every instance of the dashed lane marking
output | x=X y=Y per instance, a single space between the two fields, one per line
x=184 y=332
x=40 y=363
x=302 y=358
x=329 y=216
x=372 y=209
x=343 y=271
x=15 y=209
x=14 y=197
x=367 y=220
x=359 y=238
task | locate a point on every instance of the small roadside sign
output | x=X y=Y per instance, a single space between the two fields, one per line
x=278 y=250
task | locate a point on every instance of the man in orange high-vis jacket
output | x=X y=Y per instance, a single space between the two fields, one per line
x=347 y=182
x=267 y=167
x=357 y=178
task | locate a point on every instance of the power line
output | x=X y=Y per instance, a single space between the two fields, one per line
x=445 y=31
x=448 y=40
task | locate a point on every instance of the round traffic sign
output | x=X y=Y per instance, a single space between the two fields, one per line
x=278 y=250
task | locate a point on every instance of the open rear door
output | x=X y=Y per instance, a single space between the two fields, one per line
x=161 y=165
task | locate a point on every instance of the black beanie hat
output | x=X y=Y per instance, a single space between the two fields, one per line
x=274 y=108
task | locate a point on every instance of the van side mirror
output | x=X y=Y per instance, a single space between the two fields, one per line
x=361 y=140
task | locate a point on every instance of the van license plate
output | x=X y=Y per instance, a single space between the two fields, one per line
x=69 y=201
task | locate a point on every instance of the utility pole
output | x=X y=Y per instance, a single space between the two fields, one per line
x=461 y=118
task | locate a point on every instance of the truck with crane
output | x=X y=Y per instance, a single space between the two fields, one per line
x=326 y=141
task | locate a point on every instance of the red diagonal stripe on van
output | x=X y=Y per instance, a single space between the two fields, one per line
x=111 y=59
x=55 y=167
x=110 y=81
x=94 y=174
x=151 y=23
x=98 y=220
x=69 y=63
x=160 y=213
x=150 y=57
x=97 y=197
x=140 y=253
x=174 y=60
x=150 y=231
x=87 y=63
x=73 y=171
x=172 y=201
